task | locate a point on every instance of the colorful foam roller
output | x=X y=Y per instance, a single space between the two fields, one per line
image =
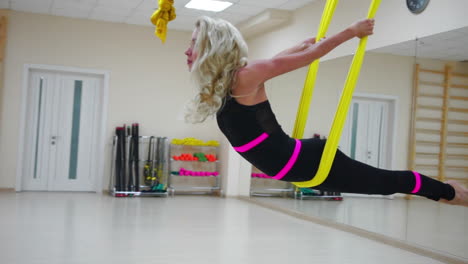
x=194 y=142
x=185 y=172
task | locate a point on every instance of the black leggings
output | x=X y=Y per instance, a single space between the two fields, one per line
x=351 y=176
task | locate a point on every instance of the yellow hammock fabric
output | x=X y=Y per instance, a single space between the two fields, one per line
x=340 y=116
x=162 y=16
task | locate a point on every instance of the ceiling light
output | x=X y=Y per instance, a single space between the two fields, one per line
x=208 y=5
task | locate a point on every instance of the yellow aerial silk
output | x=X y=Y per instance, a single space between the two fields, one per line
x=340 y=116
x=162 y=16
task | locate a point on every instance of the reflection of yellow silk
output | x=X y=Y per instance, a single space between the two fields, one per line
x=162 y=16
x=331 y=145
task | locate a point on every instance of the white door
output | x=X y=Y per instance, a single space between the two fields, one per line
x=61 y=130
x=365 y=135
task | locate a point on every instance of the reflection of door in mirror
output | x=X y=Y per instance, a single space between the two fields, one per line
x=367 y=135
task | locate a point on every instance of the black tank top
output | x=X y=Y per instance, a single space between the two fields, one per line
x=243 y=124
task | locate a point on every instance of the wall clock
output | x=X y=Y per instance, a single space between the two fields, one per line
x=416 y=6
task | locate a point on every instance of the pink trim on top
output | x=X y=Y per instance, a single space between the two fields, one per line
x=417 y=187
x=252 y=143
x=290 y=163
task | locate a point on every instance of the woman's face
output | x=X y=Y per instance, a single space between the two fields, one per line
x=190 y=52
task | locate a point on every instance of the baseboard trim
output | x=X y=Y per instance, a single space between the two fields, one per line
x=7 y=189
x=360 y=232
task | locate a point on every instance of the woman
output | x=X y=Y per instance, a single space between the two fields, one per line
x=234 y=90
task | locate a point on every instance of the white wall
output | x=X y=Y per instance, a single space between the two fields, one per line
x=149 y=82
x=394 y=24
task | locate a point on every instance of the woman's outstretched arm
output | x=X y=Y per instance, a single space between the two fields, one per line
x=259 y=71
x=298 y=48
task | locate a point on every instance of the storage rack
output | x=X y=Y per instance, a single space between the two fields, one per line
x=190 y=184
x=157 y=148
x=310 y=193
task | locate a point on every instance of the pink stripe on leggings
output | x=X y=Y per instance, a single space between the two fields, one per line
x=252 y=143
x=418 y=182
x=290 y=163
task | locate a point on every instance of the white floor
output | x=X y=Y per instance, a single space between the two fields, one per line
x=421 y=222
x=60 y=228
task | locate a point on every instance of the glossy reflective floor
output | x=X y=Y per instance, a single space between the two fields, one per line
x=439 y=227
x=60 y=228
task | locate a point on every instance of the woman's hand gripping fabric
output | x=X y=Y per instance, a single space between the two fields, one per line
x=162 y=16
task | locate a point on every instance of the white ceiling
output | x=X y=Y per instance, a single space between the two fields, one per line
x=452 y=45
x=139 y=11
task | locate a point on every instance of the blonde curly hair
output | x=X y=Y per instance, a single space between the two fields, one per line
x=221 y=52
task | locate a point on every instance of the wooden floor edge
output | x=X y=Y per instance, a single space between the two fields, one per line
x=360 y=232
x=7 y=189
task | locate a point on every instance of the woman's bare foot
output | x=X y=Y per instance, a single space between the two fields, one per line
x=461 y=194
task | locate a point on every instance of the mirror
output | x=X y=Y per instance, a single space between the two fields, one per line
x=383 y=130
